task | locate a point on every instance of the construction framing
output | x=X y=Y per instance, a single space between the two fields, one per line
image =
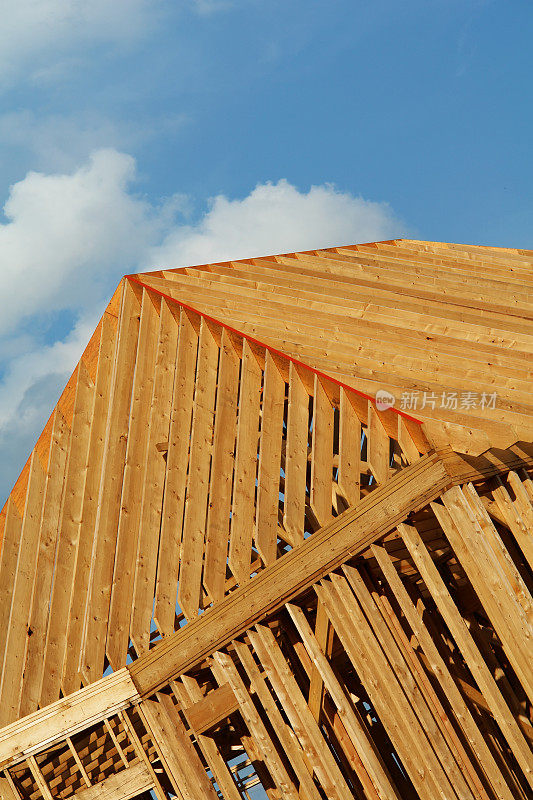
x=225 y=569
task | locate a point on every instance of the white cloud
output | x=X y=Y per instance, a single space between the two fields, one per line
x=48 y=39
x=65 y=233
x=36 y=365
x=60 y=142
x=274 y=218
x=35 y=31
x=29 y=389
x=69 y=237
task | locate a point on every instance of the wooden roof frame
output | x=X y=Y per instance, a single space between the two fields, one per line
x=238 y=534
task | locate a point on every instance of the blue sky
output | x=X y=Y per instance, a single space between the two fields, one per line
x=148 y=132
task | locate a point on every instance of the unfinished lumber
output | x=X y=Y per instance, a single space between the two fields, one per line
x=349 y=533
x=176 y=475
x=110 y=489
x=266 y=525
x=273 y=540
x=78 y=609
x=193 y=540
x=123 y=785
x=243 y=501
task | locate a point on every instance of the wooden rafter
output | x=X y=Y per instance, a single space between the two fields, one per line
x=289 y=585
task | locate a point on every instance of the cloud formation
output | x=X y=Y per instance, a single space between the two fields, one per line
x=66 y=233
x=45 y=32
x=275 y=218
x=69 y=237
x=43 y=39
x=59 y=142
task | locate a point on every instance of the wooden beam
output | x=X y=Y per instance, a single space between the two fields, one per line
x=493 y=575
x=136 y=459
x=344 y=537
x=111 y=484
x=266 y=528
x=516 y=516
x=194 y=522
x=349 y=477
x=154 y=483
x=40 y=610
x=17 y=631
x=218 y=517
x=243 y=508
x=189 y=695
x=377 y=676
x=123 y=785
x=324 y=637
x=469 y=649
x=39 y=778
x=68 y=538
x=176 y=476
x=8 y=790
x=78 y=761
x=296 y=456
x=212 y=709
x=71 y=679
x=298 y=713
x=378 y=447
x=141 y=753
x=440 y=670
x=351 y=720
x=66 y=717
x=109 y=728
x=289 y=742
x=462 y=468
x=322 y=454
x=256 y=727
x=176 y=751
x=8 y=571
x=422 y=698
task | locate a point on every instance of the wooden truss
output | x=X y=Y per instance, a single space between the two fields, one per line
x=227 y=573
